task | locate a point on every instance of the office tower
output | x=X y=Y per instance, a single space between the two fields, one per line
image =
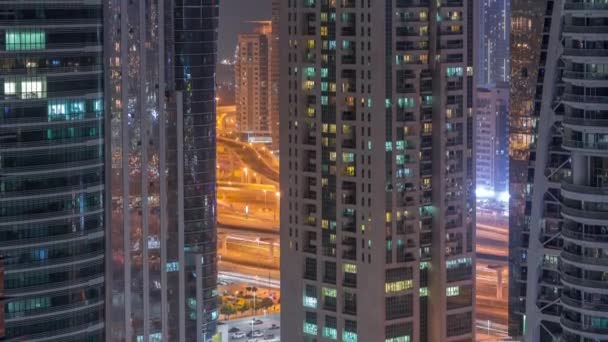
x=274 y=71
x=52 y=223
x=563 y=235
x=493 y=40
x=525 y=44
x=377 y=170
x=492 y=145
x=252 y=81
x=161 y=104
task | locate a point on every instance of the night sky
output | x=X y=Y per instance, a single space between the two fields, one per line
x=233 y=15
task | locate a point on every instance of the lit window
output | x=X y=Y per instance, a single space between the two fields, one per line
x=24 y=40
x=323 y=30
x=350 y=268
x=329 y=292
x=452 y=291
x=398 y=286
x=348 y=336
x=310 y=328
x=32 y=89
x=331 y=333
x=9 y=88
x=424 y=291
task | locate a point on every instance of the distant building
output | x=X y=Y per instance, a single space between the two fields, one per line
x=252 y=86
x=492 y=134
x=493 y=40
x=274 y=72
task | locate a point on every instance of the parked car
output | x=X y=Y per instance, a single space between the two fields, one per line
x=258 y=322
x=238 y=335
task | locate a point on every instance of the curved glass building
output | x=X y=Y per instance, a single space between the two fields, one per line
x=162 y=273
x=52 y=169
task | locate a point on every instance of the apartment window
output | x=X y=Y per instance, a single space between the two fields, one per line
x=424 y=291
x=452 y=291
x=330 y=329
x=459 y=324
x=350 y=331
x=310 y=323
x=9 y=88
x=25 y=40
x=310 y=297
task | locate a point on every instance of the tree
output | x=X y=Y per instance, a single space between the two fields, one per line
x=227 y=310
x=266 y=303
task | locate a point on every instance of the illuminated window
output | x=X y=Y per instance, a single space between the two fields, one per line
x=424 y=265
x=452 y=291
x=350 y=268
x=310 y=328
x=25 y=40
x=329 y=292
x=33 y=88
x=324 y=72
x=424 y=58
x=348 y=336
x=405 y=102
x=331 y=333
x=400 y=145
x=428 y=127
x=323 y=31
x=173 y=266
x=348 y=157
x=399 y=339
x=398 y=286
x=311 y=43
x=323 y=16
x=454 y=71
x=324 y=100
x=308 y=85
x=9 y=88
x=424 y=30
x=424 y=16
x=424 y=291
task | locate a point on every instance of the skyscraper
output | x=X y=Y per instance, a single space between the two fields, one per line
x=525 y=42
x=564 y=234
x=52 y=224
x=492 y=145
x=493 y=38
x=274 y=71
x=377 y=170
x=161 y=105
x=252 y=81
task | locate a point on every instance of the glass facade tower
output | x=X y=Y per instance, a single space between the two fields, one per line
x=52 y=223
x=161 y=106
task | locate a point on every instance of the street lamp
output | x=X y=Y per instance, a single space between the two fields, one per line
x=246 y=211
x=246 y=177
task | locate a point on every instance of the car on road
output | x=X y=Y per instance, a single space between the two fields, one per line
x=258 y=322
x=233 y=330
x=274 y=326
x=255 y=333
x=252 y=340
x=238 y=335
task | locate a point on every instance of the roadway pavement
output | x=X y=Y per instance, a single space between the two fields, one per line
x=244 y=325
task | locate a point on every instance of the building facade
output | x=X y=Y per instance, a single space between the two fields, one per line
x=493 y=40
x=252 y=81
x=52 y=189
x=160 y=84
x=491 y=140
x=274 y=71
x=563 y=236
x=377 y=170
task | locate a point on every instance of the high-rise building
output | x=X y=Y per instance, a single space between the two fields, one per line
x=252 y=82
x=493 y=40
x=562 y=225
x=160 y=86
x=525 y=44
x=491 y=140
x=377 y=170
x=274 y=71
x=52 y=225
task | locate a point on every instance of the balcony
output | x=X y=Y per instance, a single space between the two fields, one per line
x=578 y=327
x=571 y=6
x=581 y=260
x=574 y=281
x=599 y=148
x=586 y=55
x=584 y=192
x=597 y=124
x=571 y=231
x=577 y=304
